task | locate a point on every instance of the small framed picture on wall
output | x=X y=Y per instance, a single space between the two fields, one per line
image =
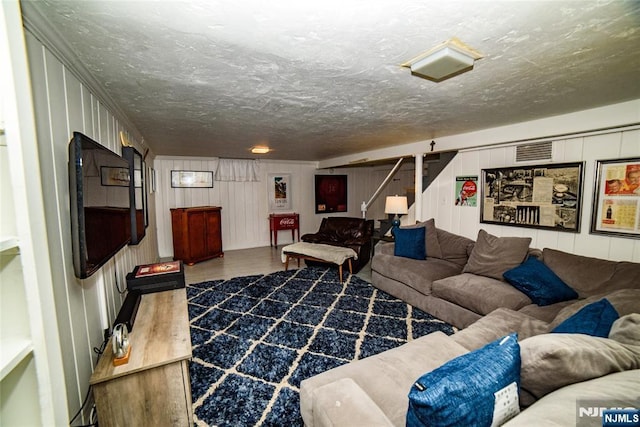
x=616 y=201
x=279 y=191
x=331 y=193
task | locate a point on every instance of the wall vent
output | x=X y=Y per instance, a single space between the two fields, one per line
x=536 y=151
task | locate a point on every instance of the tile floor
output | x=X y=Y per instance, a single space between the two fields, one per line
x=246 y=262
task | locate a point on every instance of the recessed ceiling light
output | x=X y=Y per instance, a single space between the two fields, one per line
x=444 y=61
x=260 y=150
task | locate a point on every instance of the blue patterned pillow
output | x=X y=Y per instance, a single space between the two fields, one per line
x=594 y=319
x=409 y=242
x=472 y=389
x=537 y=281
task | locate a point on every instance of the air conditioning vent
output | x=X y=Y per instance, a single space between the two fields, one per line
x=537 y=151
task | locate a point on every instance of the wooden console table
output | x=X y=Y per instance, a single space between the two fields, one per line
x=154 y=388
x=277 y=222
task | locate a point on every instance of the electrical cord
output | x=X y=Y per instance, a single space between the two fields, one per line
x=84 y=402
x=98 y=351
x=115 y=275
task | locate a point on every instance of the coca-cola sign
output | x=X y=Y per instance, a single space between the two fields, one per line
x=287 y=222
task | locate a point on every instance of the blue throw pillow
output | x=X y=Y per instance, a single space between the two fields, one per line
x=537 y=281
x=409 y=242
x=594 y=319
x=471 y=389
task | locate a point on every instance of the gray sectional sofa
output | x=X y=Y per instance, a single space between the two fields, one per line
x=446 y=283
x=459 y=282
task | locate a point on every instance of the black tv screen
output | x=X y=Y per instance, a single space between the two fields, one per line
x=100 y=203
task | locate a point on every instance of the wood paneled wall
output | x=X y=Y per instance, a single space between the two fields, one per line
x=63 y=104
x=438 y=201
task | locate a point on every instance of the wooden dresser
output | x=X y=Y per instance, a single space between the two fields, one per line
x=197 y=234
x=154 y=387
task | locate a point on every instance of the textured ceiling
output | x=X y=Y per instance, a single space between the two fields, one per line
x=321 y=80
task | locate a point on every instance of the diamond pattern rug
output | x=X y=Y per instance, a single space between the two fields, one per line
x=255 y=338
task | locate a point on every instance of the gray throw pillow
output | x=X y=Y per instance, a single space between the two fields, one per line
x=552 y=361
x=492 y=255
x=432 y=246
x=626 y=330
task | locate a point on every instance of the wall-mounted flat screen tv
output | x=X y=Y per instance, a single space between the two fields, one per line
x=100 y=203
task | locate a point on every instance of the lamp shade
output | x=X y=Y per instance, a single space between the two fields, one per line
x=396 y=205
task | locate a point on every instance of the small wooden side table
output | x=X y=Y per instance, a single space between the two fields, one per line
x=376 y=237
x=284 y=221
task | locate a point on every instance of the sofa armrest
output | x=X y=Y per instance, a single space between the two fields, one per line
x=318 y=237
x=360 y=241
x=386 y=248
x=386 y=377
x=342 y=403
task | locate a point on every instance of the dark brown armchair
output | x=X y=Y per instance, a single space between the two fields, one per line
x=354 y=233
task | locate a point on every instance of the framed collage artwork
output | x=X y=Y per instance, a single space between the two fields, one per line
x=540 y=196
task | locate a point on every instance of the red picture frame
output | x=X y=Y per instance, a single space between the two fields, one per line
x=331 y=193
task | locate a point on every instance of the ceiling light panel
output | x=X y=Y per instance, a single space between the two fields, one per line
x=444 y=61
x=260 y=150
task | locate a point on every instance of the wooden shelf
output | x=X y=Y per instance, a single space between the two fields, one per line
x=13 y=352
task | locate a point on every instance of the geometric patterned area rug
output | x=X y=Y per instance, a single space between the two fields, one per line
x=255 y=338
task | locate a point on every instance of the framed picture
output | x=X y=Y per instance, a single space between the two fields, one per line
x=114 y=177
x=466 y=191
x=331 y=193
x=541 y=196
x=137 y=178
x=616 y=199
x=279 y=191
x=152 y=180
x=191 y=179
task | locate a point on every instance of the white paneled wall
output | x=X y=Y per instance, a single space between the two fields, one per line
x=245 y=207
x=438 y=201
x=63 y=104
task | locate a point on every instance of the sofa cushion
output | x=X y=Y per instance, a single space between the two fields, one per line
x=625 y=301
x=545 y=313
x=465 y=390
x=492 y=256
x=590 y=276
x=551 y=361
x=416 y=274
x=594 y=319
x=409 y=242
x=539 y=283
x=465 y=290
x=496 y=324
x=454 y=248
